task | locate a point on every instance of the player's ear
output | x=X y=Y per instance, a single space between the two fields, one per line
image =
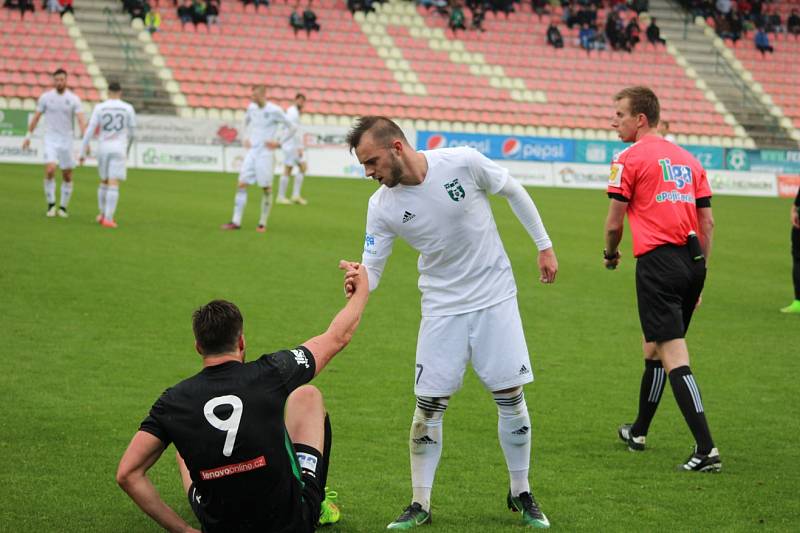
x=197 y=347
x=241 y=342
x=397 y=144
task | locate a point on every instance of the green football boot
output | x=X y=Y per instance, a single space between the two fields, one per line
x=413 y=515
x=793 y=307
x=329 y=512
x=532 y=516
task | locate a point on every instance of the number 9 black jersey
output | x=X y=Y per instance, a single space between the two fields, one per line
x=227 y=423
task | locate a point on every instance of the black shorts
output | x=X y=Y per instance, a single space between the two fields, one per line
x=668 y=284
x=311 y=498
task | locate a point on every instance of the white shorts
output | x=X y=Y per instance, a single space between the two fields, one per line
x=258 y=167
x=491 y=339
x=111 y=165
x=59 y=151
x=292 y=157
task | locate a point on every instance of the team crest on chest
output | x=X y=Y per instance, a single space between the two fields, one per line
x=455 y=190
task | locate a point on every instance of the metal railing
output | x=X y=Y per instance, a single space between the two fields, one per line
x=133 y=63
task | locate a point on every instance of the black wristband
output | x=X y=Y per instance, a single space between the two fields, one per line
x=610 y=257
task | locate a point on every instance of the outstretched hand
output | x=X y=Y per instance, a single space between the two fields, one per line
x=548 y=266
x=355 y=277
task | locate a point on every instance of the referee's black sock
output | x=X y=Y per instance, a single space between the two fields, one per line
x=652 y=387
x=687 y=394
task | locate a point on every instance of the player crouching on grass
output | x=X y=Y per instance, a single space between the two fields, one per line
x=253 y=439
x=114 y=122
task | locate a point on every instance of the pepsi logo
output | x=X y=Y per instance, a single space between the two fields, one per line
x=511 y=147
x=436 y=141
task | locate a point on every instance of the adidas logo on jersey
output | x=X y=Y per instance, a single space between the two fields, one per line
x=300 y=357
x=408 y=216
x=523 y=370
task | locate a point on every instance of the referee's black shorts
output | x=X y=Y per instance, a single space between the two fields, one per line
x=668 y=284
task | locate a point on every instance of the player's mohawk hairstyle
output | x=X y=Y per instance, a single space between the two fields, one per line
x=383 y=130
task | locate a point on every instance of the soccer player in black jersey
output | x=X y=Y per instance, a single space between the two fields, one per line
x=253 y=439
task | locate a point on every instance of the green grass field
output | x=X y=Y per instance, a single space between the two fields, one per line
x=96 y=324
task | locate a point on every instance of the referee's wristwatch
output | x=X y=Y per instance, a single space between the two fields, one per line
x=611 y=257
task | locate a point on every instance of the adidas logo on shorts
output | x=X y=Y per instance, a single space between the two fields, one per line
x=408 y=216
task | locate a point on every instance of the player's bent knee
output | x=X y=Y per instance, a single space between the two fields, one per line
x=308 y=395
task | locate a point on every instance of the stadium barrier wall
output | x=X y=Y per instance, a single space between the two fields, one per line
x=214 y=145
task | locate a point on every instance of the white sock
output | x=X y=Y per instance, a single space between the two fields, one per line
x=239 y=201
x=266 y=205
x=50 y=191
x=425 y=446
x=298 y=182
x=112 y=196
x=66 y=193
x=283 y=184
x=101 y=197
x=514 y=432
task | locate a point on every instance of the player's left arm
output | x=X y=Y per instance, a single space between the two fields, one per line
x=493 y=178
x=131 y=129
x=88 y=133
x=615 y=222
x=290 y=128
x=142 y=453
x=525 y=210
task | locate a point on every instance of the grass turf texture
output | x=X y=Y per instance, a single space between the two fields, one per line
x=96 y=323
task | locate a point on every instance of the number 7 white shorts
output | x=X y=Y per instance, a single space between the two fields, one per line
x=491 y=339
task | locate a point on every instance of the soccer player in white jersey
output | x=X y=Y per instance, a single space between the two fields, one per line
x=114 y=123
x=263 y=120
x=59 y=106
x=293 y=156
x=438 y=202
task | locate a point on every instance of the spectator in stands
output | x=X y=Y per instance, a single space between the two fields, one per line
x=296 y=19
x=212 y=12
x=186 y=13
x=138 y=9
x=640 y=5
x=540 y=8
x=152 y=21
x=586 y=37
x=478 y=9
x=793 y=23
x=773 y=22
x=723 y=6
x=504 y=6
x=310 y=19
x=663 y=130
x=762 y=42
x=615 y=32
x=199 y=13
x=457 y=20
x=736 y=24
x=66 y=7
x=554 y=37
x=654 y=33
x=632 y=33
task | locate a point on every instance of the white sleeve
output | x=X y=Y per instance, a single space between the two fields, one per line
x=290 y=128
x=488 y=175
x=89 y=133
x=131 y=128
x=523 y=207
x=378 y=243
x=41 y=104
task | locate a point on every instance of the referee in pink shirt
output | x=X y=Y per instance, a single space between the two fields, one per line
x=665 y=192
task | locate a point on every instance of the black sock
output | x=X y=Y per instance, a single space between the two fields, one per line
x=649 y=395
x=687 y=394
x=326 y=451
x=309 y=459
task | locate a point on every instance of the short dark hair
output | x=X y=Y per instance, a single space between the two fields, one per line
x=59 y=71
x=217 y=327
x=114 y=86
x=642 y=100
x=299 y=95
x=383 y=130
